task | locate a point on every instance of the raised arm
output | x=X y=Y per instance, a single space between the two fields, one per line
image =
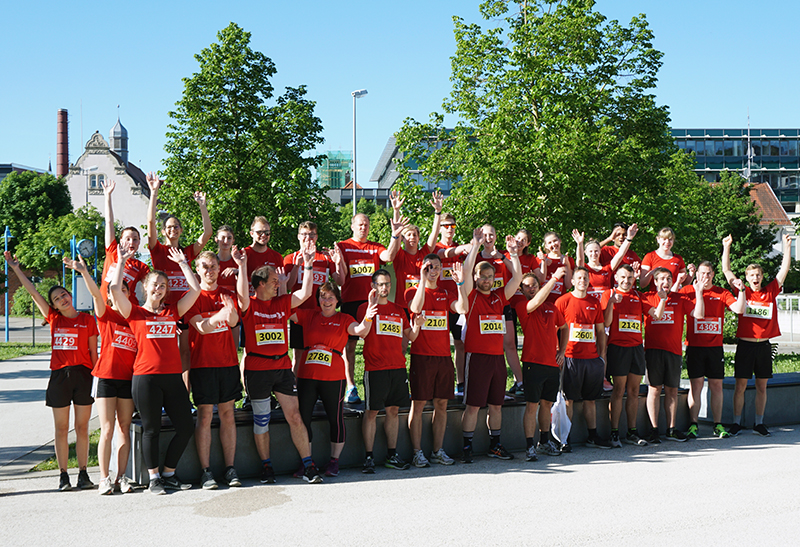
x=339 y=274
x=460 y=305
x=516 y=273
x=190 y=297
x=121 y=302
x=623 y=249
x=579 y=237
x=362 y=329
x=397 y=228
x=437 y=201
x=80 y=267
x=226 y=315
x=154 y=183
x=41 y=303
x=308 y=251
x=608 y=312
x=726 y=259
x=699 y=311
x=658 y=312
x=416 y=325
x=208 y=229
x=108 y=189
x=786 y=263
x=740 y=305
x=541 y=297
x=469 y=262
x=242 y=283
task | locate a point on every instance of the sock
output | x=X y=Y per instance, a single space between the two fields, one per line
x=737 y=419
x=468 y=435
x=632 y=431
x=529 y=441
x=494 y=437
x=717 y=424
x=154 y=476
x=205 y=469
x=334 y=460
x=390 y=452
x=544 y=437
x=266 y=462
x=593 y=432
x=307 y=462
x=168 y=474
x=759 y=419
x=369 y=454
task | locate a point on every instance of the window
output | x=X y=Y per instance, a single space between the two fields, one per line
x=738 y=147
x=690 y=147
x=774 y=148
x=101 y=179
x=718 y=148
x=93 y=181
x=728 y=145
x=791 y=148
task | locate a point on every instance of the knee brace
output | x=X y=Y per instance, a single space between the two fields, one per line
x=262 y=409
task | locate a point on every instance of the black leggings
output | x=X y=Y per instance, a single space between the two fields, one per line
x=151 y=392
x=332 y=395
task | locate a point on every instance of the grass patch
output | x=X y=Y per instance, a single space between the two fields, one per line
x=10 y=350
x=50 y=464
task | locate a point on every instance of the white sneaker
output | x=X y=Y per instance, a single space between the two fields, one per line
x=105 y=487
x=125 y=485
x=441 y=457
x=530 y=454
x=420 y=460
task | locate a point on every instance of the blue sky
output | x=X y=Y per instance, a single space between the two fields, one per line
x=721 y=57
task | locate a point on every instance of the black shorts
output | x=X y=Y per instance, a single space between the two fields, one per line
x=261 y=383
x=663 y=368
x=214 y=385
x=351 y=309
x=384 y=388
x=625 y=360
x=485 y=379
x=753 y=357
x=431 y=377
x=69 y=385
x=106 y=388
x=583 y=379
x=296 y=340
x=455 y=328
x=705 y=362
x=540 y=382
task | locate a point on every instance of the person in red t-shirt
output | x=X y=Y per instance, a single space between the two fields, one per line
x=704 y=355
x=541 y=362
x=663 y=257
x=157 y=370
x=129 y=239
x=267 y=367
x=552 y=261
x=228 y=270
x=356 y=260
x=74 y=343
x=624 y=308
x=617 y=239
x=385 y=376
x=484 y=336
x=601 y=275
x=160 y=257
x=583 y=348
x=114 y=371
x=258 y=252
x=431 y=370
x=757 y=325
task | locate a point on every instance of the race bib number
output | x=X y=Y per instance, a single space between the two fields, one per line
x=708 y=326
x=177 y=282
x=498 y=283
x=66 y=339
x=757 y=310
x=160 y=329
x=666 y=319
x=492 y=324
x=412 y=282
x=123 y=338
x=320 y=276
x=435 y=320
x=219 y=327
x=126 y=275
x=630 y=323
x=362 y=268
x=318 y=355
x=581 y=333
x=268 y=334
x=389 y=325
x=447 y=273
x=558 y=287
x=597 y=293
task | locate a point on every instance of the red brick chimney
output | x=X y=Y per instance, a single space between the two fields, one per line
x=62 y=144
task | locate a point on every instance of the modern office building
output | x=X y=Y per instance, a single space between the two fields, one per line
x=8 y=168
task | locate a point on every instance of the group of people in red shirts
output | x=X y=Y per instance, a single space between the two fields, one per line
x=582 y=319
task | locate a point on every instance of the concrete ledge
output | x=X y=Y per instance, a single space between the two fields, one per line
x=783 y=400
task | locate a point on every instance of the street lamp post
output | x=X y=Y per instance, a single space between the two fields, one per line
x=357 y=94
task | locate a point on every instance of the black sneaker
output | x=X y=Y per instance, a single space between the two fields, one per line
x=676 y=435
x=231 y=478
x=157 y=486
x=762 y=430
x=267 y=474
x=311 y=475
x=84 y=482
x=735 y=429
x=598 y=442
x=369 y=466
x=500 y=452
x=172 y=483
x=654 y=438
x=396 y=462
x=63 y=482
x=466 y=455
x=565 y=448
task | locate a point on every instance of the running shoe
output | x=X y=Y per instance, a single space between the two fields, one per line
x=691 y=433
x=231 y=478
x=157 y=486
x=268 y=475
x=396 y=462
x=441 y=457
x=762 y=430
x=721 y=432
x=352 y=397
x=84 y=482
x=332 y=469
x=676 y=435
x=369 y=466
x=63 y=482
x=500 y=452
x=530 y=454
x=735 y=429
x=172 y=483
x=419 y=459
x=459 y=390
x=105 y=487
x=632 y=437
x=311 y=475
x=125 y=485
x=654 y=438
x=207 y=480
x=599 y=442
x=566 y=448
x=548 y=449
x=613 y=441
x=466 y=455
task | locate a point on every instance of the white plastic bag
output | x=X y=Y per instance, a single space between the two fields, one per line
x=559 y=419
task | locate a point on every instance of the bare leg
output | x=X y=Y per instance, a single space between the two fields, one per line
x=460 y=358
x=439 y=422
x=415 y=424
x=106 y=411
x=296 y=426
x=125 y=409
x=82 y=415
x=715 y=387
x=761 y=395
x=61 y=419
x=695 y=389
x=391 y=426
x=616 y=400
x=227 y=432
x=202 y=434
x=368 y=426
x=529 y=419
x=632 y=404
x=654 y=405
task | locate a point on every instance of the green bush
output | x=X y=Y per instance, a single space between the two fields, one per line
x=729 y=328
x=23 y=303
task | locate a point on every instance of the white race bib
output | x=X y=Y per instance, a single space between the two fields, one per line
x=123 y=338
x=711 y=325
x=630 y=323
x=318 y=355
x=388 y=325
x=160 y=329
x=757 y=310
x=269 y=334
x=66 y=339
x=581 y=333
x=492 y=324
x=435 y=320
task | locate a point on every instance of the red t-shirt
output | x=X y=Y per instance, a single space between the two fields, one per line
x=361 y=260
x=323 y=268
x=255 y=260
x=229 y=281
x=70 y=339
x=558 y=289
x=581 y=316
x=760 y=318
x=117 y=347
x=707 y=332
x=528 y=263
x=325 y=338
x=540 y=330
x=501 y=274
x=446 y=278
x=652 y=261
x=608 y=252
x=157 y=341
x=434 y=336
x=383 y=346
x=135 y=270
x=217 y=348
x=406 y=269
x=600 y=280
x=485 y=323
x=266 y=333
x=159 y=255
x=667 y=333
x=626 y=323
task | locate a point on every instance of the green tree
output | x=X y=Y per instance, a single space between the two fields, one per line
x=23 y=302
x=27 y=199
x=250 y=157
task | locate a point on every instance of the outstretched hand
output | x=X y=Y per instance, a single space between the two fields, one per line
x=153 y=181
x=177 y=256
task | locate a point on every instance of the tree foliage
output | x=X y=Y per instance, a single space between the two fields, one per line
x=250 y=157
x=23 y=302
x=27 y=199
